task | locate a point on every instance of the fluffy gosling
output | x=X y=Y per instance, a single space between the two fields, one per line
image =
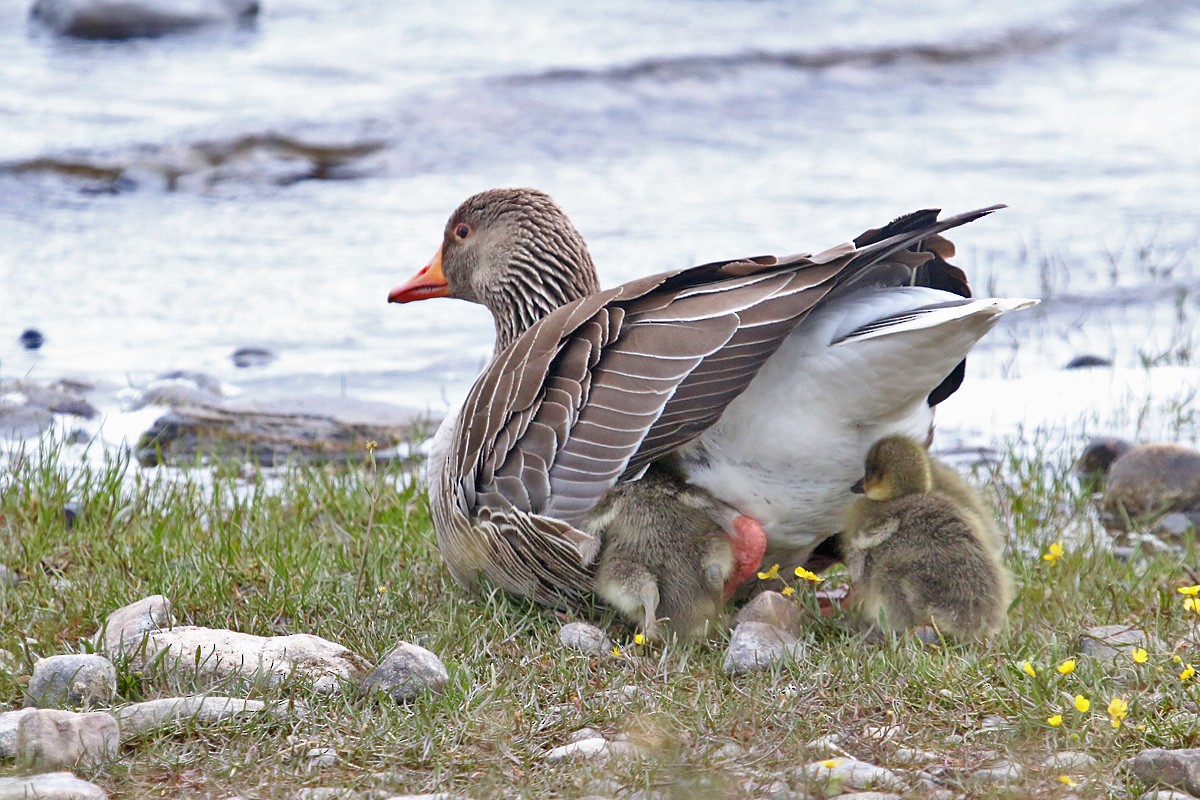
x=920 y=555
x=664 y=558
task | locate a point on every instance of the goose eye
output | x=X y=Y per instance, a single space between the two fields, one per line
x=463 y=230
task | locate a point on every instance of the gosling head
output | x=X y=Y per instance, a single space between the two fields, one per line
x=895 y=466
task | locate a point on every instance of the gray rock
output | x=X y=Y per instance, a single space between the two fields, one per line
x=849 y=773
x=126 y=628
x=252 y=357
x=8 y=577
x=407 y=672
x=325 y=793
x=320 y=757
x=1070 y=760
x=828 y=745
x=271 y=433
x=50 y=786
x=1165 y=794
x=1172 y=769
x=870 y=796
x=756 y=646
x=1087 y=360
x=1107 y=642
x=772 y=608
x=139 y=718
x=584 y=733
x=585 y=638
x=50 y=739
x=591 y=749
x=215 y=654
x=1004 y=772
x=127 y=19
x=71 y=680
x=8 y=731
x=434 y=796
x=1178 y=524
x=909 y=757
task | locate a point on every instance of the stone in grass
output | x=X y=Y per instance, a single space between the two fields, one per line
x=125 y=628
x=1165 y=794
x=849 y=773
x=8 y=577
x=870 y=796
x=8 y=731
x=597 y=749
x=585 y=638
x=71 y=680
x=1070 y=760
x=139 y=718
x=1107 y=642
x=1172 y=769
x=216 y=655
x=772 y=608
x=1002 y=772
x=757 y=646
x=407 y=672
x=52 y=739
x=50 y=786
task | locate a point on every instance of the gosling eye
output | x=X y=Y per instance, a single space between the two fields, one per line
x=462 y=230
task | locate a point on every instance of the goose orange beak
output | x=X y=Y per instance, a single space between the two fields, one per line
x=429 y=282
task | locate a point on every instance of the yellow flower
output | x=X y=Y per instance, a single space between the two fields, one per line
x=616 y=651
x=1066 y=780
x=1117 y=710
x=1187 y=673
x=1028 y=669
x=773 y=572
x=1192 y=604
x=1054 y=553
x=383 y=588
x=1190 y=591
x=1177 y=658
x=1082 y=704
x=801 y=572
x=787 y=591
x=831 y=763
x=639 y=638
x=1054 y=721
x=1139 y=655
x=1066 y=667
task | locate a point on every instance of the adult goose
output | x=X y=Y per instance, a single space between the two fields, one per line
x=769 y=377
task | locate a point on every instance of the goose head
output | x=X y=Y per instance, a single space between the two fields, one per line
x=511 y=250
x=896 y=466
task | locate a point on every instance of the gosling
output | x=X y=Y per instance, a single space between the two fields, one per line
x=664 y=558
x=919 y=555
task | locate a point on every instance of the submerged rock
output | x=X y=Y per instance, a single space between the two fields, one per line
x=31 y=339
x=315 y=429
x=127 y=19
x=27 y=409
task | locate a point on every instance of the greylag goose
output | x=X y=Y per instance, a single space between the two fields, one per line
x=918 y=556
x=770 y=377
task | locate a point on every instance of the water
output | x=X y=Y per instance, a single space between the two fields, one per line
x=673 y=132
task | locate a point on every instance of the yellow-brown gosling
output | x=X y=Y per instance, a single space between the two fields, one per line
x=920 y=556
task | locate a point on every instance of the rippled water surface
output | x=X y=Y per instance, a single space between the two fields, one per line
x=672 y=132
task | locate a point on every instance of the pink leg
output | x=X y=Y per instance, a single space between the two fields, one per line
x=749 y=545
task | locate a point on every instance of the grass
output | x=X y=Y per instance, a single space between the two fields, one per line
x=347 y=553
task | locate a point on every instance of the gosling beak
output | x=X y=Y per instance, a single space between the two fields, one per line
x=858 y=487
x=429 y=282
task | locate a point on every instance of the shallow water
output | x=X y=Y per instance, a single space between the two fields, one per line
x=673 y=133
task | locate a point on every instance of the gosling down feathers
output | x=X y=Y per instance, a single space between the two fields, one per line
x=736 y=366
x=921 y=556
x=664 y=559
